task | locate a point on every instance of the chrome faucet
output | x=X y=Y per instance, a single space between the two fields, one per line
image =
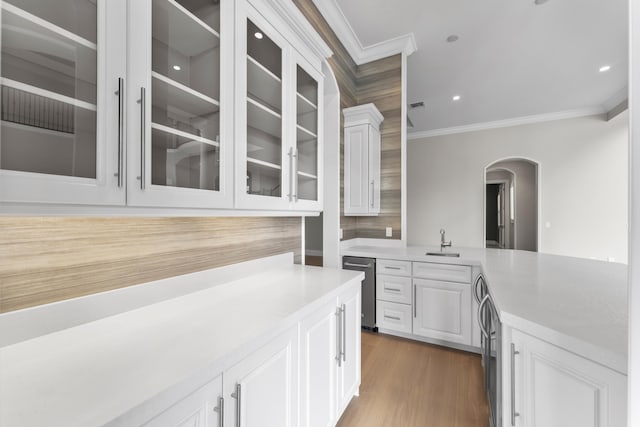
x=443 y=244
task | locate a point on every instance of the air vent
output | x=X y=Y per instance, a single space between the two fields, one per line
x=417 y=104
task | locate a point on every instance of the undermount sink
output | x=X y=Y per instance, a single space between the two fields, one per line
x=451 y=254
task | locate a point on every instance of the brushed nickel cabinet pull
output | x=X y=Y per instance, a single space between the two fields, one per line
x=143 y=137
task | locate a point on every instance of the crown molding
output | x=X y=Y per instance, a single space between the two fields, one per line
x=362 y=114
x=334 y=16
x=516 y=121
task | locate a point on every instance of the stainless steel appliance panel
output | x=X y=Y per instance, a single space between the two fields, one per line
x=368 y=266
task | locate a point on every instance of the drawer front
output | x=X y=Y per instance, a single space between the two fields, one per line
x=394 y=316
x=393 y=267
x=393 y=288
x=446 y=272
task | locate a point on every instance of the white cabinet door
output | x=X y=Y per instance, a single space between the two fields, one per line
x=262 y=389
x=442 y=310
x=318 y=370
x=556 y=388
x=356 y=170
x=374 y=170
x=61 y=139
x=180 y=136
x=264 y=154
x=306 y=183
x=349 y=367
x=199 y=409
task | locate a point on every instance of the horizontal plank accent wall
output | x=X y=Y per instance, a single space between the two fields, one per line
x=44 y=260
x=379 y=82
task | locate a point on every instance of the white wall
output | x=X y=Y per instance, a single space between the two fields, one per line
x=583 y=175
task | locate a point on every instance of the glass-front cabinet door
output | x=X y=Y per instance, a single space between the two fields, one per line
x=62 y=85
x=307 y=186
x=180 y=139
x=263 y=164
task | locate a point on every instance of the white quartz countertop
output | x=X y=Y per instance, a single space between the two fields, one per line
x=575 y=303
x=89 y=374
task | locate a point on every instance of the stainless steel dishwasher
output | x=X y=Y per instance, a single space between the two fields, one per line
x=368 y=265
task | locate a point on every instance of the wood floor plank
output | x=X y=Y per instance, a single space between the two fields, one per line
x=412 y=384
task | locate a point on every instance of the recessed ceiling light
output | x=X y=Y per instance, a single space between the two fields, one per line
x=177 y=67
x=605 y=68
x=457 y=97
x=452 y=38
x=539 y=2
x=258 y=35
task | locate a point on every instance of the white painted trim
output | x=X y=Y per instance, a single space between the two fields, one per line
x=403 y=153
x=633 y=368
x=365 y=114
x=338 y=22
x=31 y=322
x=516 y=121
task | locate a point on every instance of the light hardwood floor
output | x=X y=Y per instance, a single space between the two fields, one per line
x=411 y=384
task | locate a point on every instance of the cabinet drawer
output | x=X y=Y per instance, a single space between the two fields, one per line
x=393 y=267
x=447 y=272
x=394 y=316
x=393 y=288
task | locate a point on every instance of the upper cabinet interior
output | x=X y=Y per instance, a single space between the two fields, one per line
x=143 y=103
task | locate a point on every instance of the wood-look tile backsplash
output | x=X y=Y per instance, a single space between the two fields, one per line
x=49 y=259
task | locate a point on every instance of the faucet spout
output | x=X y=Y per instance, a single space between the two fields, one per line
x=443 y=243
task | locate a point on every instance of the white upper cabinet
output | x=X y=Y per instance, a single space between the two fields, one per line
x=362 y=160
x=62 y=137
x=196 y=104
x=278 y=116
x=180 y=134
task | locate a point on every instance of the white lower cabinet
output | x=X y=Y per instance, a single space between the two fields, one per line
x=199 y=409
x=553 y=387
x=442 y=310
x=394 y=316
x=319 y=353
x=349 y=365
x=261 y=390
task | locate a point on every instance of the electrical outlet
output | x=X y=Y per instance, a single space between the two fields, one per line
x=389 y=232
x=341 y=234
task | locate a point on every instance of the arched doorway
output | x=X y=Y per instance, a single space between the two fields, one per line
x=511 y=204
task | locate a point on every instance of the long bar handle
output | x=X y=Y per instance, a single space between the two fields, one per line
x=373 y=193
x=350 y=264
x=295 y=175
x=238 y=395
x=390 y=267
x=343 y=311
x=391 y=317
x=415 y=300
x=476 y=295
x=480 y=321
x=338 y=337
x=220 y=410
x=291 y=177
x=393 y=289
x=514 y=414
x=143 y=136
x=120 y=94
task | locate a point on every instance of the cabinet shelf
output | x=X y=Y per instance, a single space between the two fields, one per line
x=12 y=21
x=304 y=106
x=263 y=85
x=263 y=118
x=47 y=94
x=263 y=163
x=182 y=134
x=169 y=92
x=190 y=40
x=307 y=175
x=305 y=135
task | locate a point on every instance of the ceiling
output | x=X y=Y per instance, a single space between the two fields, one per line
x=514 y=61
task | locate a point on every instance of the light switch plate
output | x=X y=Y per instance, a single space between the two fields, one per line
x=389 y=232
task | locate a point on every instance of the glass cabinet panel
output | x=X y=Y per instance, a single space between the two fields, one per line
x=185 y=94
x=264 y=114
x=49 y=90
x=306 y=135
